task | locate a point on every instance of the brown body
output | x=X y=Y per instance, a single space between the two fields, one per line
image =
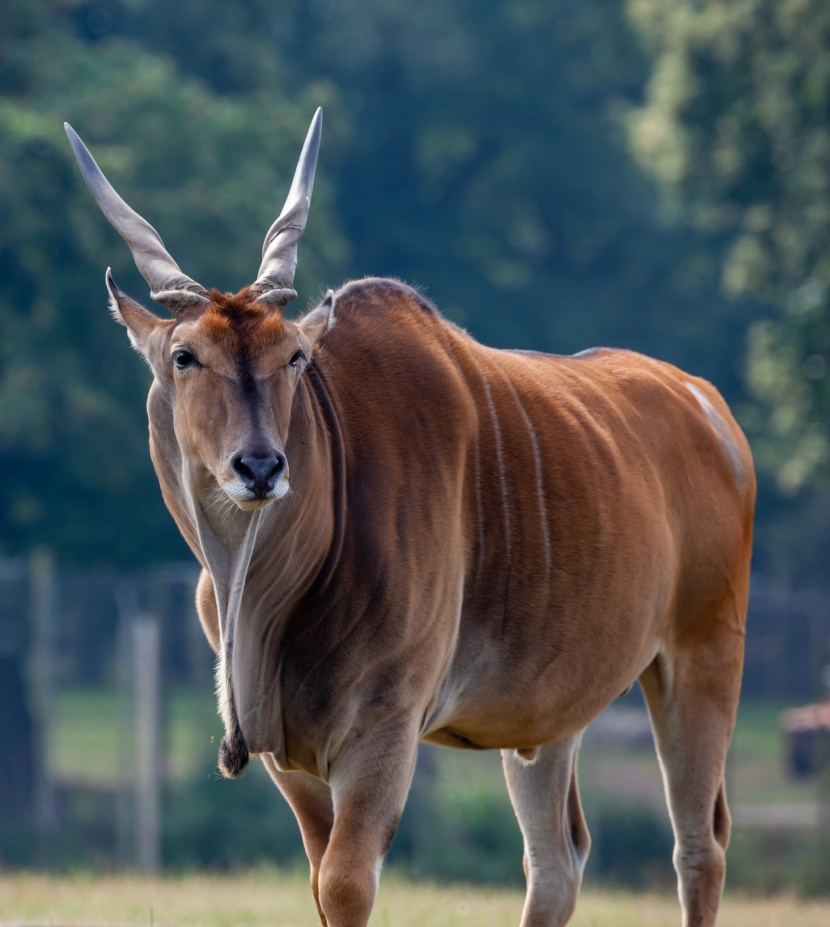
x=406 y=535
x=483 y=549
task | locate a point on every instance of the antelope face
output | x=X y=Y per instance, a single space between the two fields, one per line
x=233 y=371
x=227 y=373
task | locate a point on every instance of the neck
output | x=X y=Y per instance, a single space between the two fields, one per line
x=261 y=563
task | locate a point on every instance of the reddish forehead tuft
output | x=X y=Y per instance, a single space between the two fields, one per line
x=238 y=320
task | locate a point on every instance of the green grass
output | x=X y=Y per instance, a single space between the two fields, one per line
x=758 y=772
x=91 y=737
x=277 y=899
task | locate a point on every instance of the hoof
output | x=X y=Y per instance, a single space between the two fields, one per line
x=233 y=756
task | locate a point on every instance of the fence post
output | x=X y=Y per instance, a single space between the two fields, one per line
x=147 y=684
x=43 y=602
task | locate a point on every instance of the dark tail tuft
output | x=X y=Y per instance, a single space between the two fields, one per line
x=233 y=755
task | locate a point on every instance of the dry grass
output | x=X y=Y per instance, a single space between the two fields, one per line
x=283 y=900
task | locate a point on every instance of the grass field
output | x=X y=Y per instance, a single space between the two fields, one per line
x=280 y=900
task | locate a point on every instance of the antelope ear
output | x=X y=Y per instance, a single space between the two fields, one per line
x=319 y=320
x=139 y=322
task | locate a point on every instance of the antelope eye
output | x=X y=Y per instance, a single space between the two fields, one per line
x=297 y=357
x=183 y=359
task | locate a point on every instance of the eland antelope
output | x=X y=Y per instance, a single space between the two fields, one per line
x=405 y=535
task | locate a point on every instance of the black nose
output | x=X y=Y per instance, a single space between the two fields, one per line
x=260 y=472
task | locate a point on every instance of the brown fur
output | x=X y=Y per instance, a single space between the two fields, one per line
x=237 y=319
x=480 y=548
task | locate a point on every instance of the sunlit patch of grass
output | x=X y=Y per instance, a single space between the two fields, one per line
x=280 y=899
x=212 y=901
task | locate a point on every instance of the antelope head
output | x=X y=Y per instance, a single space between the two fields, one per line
x=226 y=366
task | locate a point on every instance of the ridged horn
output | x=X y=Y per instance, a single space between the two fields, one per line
x=168 y=285
x=275 y=283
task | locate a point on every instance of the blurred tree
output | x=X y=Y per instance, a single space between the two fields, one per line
x=735 y=125
x=480 y=152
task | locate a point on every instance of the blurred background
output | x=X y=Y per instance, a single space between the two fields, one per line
x=555 y=174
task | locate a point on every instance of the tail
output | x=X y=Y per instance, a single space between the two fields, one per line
x=233 y=751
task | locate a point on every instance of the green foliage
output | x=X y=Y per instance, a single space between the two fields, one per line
x=479 y=153
x=474 y=836
x=214 y=823
x=632 y=846
x=735 y=126
x=483 y=153
x=492 y=170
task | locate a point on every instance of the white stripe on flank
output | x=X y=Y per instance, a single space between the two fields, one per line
x=722 y=432
x=540 y=490
x=480 y=563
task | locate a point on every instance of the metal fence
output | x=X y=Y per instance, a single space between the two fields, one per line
x=787 y=642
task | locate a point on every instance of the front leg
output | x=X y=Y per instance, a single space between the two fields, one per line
x=369 y=784
x=310 y=800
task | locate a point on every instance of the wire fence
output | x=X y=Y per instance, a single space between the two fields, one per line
x=135 y=635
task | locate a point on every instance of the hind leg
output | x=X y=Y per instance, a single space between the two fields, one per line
x=545 y=798
x=692 y=693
